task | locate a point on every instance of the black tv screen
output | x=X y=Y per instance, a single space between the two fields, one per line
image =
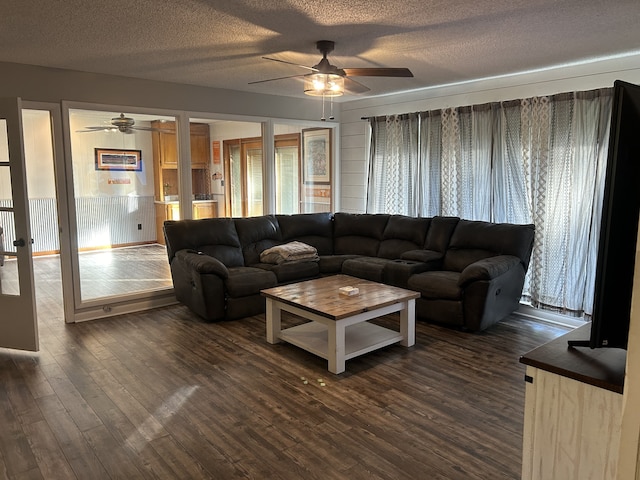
x=619 y=225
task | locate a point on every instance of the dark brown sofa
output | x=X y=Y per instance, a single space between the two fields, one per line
x=470 y=274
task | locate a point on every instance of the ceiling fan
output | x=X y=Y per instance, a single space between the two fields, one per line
x=336 y=80
x=120 y=124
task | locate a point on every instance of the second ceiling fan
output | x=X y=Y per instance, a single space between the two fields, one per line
x=324 y=67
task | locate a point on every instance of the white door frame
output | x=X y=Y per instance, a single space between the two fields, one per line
x=19 y=326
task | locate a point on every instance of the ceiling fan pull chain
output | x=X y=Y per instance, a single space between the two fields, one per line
x=331 y=117
x=322 y=118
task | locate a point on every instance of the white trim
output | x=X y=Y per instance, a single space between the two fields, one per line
x=528 y=311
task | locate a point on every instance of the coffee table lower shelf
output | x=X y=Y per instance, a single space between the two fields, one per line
x=359 y=339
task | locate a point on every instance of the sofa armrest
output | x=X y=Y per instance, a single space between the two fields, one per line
x=487 y=269
x=202 y=263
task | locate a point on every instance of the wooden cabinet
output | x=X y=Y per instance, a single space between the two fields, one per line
x=165 y=172
x=571 y=429
x=165 y=144
x=200 y=146
x=165 y=159
x=205 y=209
x=171 y=211
x=573 y=411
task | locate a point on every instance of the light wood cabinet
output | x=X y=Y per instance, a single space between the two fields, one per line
x=200 y=146
x=571 y=429
x=165 y=172
x=573 y=410
x=205 y=209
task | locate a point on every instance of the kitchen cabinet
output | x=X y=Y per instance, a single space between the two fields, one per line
x=165 y=172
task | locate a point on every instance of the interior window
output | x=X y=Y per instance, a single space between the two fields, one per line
x=122 y=195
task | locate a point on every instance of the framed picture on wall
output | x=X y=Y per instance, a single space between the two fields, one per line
x=316 y=155
x=114 y=159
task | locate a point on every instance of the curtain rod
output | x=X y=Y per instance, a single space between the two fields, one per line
x=391 y=114
x=579 y=94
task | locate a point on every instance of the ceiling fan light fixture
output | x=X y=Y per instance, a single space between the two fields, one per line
x=323 y=84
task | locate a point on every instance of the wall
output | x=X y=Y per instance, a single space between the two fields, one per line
x=51 y=85
x=565 y=79
x=55 y=85
x=354 y=129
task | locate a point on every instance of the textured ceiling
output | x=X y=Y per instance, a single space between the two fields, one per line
x=219 y=43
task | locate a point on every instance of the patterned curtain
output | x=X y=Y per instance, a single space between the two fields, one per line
x=393 y=167
x=466 y=162
x=565 y=144
x=538 y=160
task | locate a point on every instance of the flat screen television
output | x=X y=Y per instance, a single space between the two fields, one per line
x=619 y=224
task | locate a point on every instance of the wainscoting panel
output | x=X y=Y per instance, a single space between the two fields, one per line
x=102 y=222
x=113 y=220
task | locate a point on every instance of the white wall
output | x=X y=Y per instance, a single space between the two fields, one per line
x=566 y=79
x=571 y=78
x=90 y=182
x=55 y=85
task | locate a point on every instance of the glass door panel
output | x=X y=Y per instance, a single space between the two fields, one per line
x=125 y=183
x=243 y=164
x=287 y=153
x=235 y=181
x=9 y=274
x=254 y=181
x=18 y=322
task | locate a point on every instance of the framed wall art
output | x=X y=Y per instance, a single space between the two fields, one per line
x=115 y=159
x=316 y=155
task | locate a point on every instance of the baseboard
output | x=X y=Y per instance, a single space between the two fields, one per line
x=528 y=311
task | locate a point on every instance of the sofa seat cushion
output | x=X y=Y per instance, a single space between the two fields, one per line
x=333 y=263
x=437 y=285
x=369 y=268
x=397 y=272
x=291 y=271
x=243 y=281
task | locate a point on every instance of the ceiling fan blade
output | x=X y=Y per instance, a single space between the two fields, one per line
x=378 y=72
x=291 y=63
x=279 y=78
x=352 y=86
x=97 y=129
x=151 y=129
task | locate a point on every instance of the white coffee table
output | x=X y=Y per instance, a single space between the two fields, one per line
x=338 y=329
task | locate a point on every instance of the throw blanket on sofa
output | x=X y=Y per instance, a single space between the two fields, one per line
x=289 y=252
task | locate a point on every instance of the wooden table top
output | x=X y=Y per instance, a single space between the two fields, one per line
x=322 y=296
x=601 y=367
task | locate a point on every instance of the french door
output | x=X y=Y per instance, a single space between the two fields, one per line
x=244 y=169
x=243 y=166
x=18 y=323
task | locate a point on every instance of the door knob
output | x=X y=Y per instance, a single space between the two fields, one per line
x=19 y=243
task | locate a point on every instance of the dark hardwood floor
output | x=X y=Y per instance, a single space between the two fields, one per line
x=161 y=394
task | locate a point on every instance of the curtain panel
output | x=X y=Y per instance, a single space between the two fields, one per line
x=393 y=165
x=538 y=160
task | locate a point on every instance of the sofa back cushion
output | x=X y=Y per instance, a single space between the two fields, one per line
x=315 y=229
x=256 y=235
x=474 y=240
x=214 y=236
x=402 y=234
x=440 y=232
x=358 y=234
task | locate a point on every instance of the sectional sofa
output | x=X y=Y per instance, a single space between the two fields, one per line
x=470 y=274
